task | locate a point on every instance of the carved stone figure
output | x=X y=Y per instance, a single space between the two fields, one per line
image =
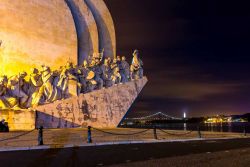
x=91 y=83
x=124 y=70
x=56 y=74
x=96 y=68
x=3 y=90
x=6 y=102
x=50 y=91
x=98 y=57
x=114 y=64
x=136 y=67
x=82 y=73
x=118 y=58
x=48 y=86
x=98 y=76
x=17 y=86
x=116 y=77
x=109 y=61
x=107 y=73
x=34 y=86
x=66 y=75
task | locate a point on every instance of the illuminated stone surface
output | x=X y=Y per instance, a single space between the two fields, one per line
x=86 y=28
x=35 y=32
x=105 y=25
x=51 y=32
x=19 y=120
x=101 y=108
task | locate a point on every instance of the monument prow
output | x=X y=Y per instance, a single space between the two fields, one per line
x=103 y=108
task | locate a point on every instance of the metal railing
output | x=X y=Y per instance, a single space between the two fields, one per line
x=93 y=134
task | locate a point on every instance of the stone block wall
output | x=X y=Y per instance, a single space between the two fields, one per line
x=19 y=120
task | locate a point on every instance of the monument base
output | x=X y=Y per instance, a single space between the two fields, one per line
x=103 y=108
x=19 y=119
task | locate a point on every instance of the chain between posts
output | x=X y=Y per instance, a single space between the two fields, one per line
x=174 y=134
x=23 y=134
x=111 y=133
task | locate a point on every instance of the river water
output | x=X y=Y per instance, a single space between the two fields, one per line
x=213 y=127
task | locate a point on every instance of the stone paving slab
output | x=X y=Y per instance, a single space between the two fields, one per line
x=230 y=158
x=65 y=138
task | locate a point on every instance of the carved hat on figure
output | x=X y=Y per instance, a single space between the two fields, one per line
x=23 y=74
x=85 y=63
x=34 y=70
x=90 y=75
x=3 y=79
x=69 y=65
x=45 y=68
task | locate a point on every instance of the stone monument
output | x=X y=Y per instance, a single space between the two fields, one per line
x=50 y=34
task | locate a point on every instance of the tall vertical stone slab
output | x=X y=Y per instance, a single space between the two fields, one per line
x=105 y=24
x=87 y=33
x=103 y=108
x=35 y=32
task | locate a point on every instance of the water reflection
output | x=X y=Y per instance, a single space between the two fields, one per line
x=213 y=127
x=185 y=126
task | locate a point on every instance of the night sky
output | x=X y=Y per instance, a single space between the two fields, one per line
x=196 y=54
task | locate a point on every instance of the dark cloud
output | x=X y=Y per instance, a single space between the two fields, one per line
x=196 y=53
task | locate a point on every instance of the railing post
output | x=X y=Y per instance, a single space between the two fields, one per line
x=199 y=131
x=245 y=131
x=40 y=136
x=155 y=134
x=89 y=140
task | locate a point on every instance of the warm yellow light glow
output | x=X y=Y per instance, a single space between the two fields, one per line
x=11 y=64
x=223 y=119
x=35 y=34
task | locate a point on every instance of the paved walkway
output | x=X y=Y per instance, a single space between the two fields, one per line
x=228 y=158
x=188 y=153
x=59 y=138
